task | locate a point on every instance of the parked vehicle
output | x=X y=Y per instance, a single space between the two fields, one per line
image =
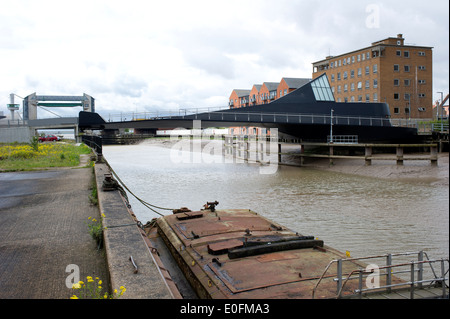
x=48 y=138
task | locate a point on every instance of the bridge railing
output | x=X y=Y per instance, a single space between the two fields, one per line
x=252 y=117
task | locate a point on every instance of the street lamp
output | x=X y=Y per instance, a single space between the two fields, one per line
x=442 y=110
x=331 y=127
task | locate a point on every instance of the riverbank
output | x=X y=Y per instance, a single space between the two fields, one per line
x=411 y=171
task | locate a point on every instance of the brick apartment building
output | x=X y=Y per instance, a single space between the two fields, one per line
x=387 y=71
x=262 y=94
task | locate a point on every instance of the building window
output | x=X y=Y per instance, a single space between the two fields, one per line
x=398 y=53
x=367 y=84
x=359 y=57
x=285 y=91
x=422 y=67
x=345 y=87
x=353 y=59
x=367 y=70
x=352 y=74
x=375 y=97
x=359 y=85
x=407 y=97
x=281 y=93
x=344 y=61
x=359 y=98
x=406 y=68
x=363 y=56
x=395 y=96
x=367 y=97
x=421 y=81
x=352 y=99
x=348 y=60
x=368 y=55
x=339 y=89
x=359 y=71
x=352 y=87
x=396 y=67
x=375 y=83
x=407 y=82
x=396 y=82
x=375 y=68
x=331 y=64
x=396 y=110
x=406 y=110
x=332 y=77
x=339 y=76
x=406 y=54
x=321 y=89
x=345 y=75
x=421 y=94
x=421 y=53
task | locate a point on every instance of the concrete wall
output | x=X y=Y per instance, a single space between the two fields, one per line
x=16 y=134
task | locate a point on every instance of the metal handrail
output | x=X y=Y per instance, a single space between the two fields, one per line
x=283 y=117
x=411 y=283
x=340 y=261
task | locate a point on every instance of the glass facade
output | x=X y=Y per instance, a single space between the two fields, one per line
x=321 y=89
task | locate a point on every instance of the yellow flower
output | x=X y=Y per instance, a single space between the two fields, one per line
x=74 y=297
x=76 y=286
x=89 y=217
x=103 y=215
x=105 y=296
x=99 y=282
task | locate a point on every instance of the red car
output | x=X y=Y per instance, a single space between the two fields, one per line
x=50 y=138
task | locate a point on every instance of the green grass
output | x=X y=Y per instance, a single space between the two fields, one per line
x=23 y=157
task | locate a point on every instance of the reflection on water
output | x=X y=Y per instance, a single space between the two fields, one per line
x=366 y=216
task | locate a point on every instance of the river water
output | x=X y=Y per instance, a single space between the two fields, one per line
x=362 y=215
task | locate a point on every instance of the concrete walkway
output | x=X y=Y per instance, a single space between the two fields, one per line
x=43 y=216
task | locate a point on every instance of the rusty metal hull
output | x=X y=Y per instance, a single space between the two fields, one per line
x=238 y=254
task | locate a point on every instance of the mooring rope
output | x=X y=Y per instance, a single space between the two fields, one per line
x=143 y=202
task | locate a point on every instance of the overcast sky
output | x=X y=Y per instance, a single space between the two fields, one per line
x=155 y=55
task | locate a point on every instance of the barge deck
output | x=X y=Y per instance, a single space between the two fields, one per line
x=238 y=254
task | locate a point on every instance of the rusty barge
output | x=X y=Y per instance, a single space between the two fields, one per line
x=238 y=254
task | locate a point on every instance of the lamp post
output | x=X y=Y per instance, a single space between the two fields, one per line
x=442 y=109
x=437 y=106
x=331 y=126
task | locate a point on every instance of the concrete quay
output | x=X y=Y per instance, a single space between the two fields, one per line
x=129 y=260
x=43 y=230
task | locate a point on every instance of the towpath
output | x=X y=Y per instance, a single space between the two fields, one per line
x=43 y=216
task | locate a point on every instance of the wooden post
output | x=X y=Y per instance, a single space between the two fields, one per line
x=368 y=155
x=331 y=154
x=279 y=153
x=399 y=155
x=433 y=155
